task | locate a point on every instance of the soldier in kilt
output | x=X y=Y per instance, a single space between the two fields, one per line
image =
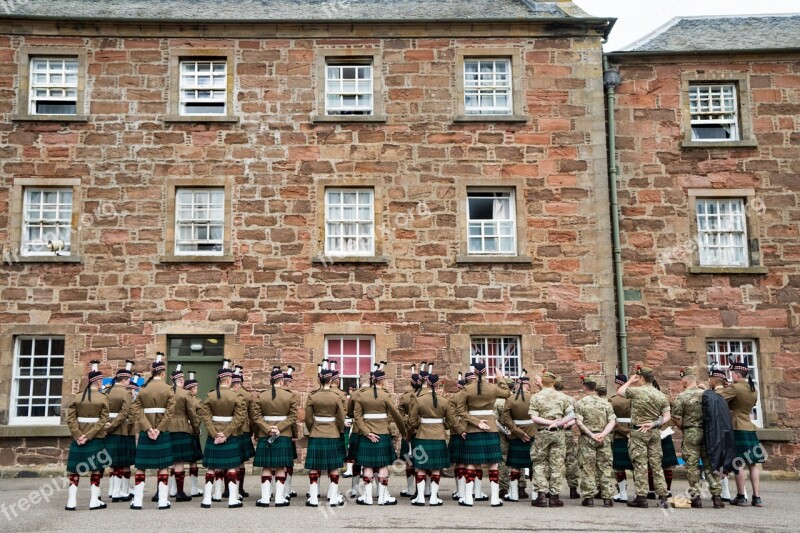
x=595 y=418
x=246 y=436
x=619 y=448
x=457 y=435
x=404 y=406
x=86 y=419
x=741 y=398
x=120 y=445
x=482 y=444
x=354 y=469
x=223 y=414
x=152 y=410
x=522 y=433
x=429 y=417
x=274 y=413
x=325 y=422
x=287 y=380
x=376 y=451
x=181 y=432
x=190 y=386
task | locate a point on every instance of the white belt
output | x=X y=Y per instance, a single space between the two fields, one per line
x=623 y=420
x=348 y=420
x=274 y=418
x=88 y=420
x=432 y=420
x=523 y=422
x=222 y=419
x=113 y=415
x=375 y=416
x=154 y=410
x=481 y=413
x=324 y=419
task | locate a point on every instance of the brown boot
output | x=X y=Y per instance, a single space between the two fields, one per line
x=540 y=501
x=697 y=503
x=574 y=494
x=608 y=502
x=555 y=501
x=638 y=501
x=523 y=494
x=717 y=501
x=588 y=502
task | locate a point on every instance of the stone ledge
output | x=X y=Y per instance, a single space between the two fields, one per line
x=721 y=144
x=47 y=259
x=49 y=118
x=728 y=270
x=775 y=435
x=34 y=431
x=196 y=259
x=491 y=118
x=490 y=259
x=333 y=260
x=167 y=119
x=322 y=119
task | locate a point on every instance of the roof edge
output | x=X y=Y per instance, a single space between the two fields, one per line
x=666 y=53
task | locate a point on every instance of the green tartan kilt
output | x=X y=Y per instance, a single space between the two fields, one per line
x=352 y=449
x=197 y=450
x=669 y=458
x=519 y=453
x=430 y=454
x=622 y=459
x=376 y=454
x=482 y=449
x=154 y=454
x=87 y=458
x=748 y=447
x=182 y=447
x=122 y=449
x=344 y=445
x=294 y=450
x=456 y=449
x=223 y=456
x=246 y=442
x=279 y=454
x=324 y=454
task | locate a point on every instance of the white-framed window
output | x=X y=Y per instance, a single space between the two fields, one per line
x=722 y=352
x=722 y=232
x=501 y=352
x=47 y=216
x=714 y=112
x=492 y=223
x=54 y=86
x=37 y=381
x=487 y=87
x=348 y=89
x=199 y=221
x=354 y=356
x=203 y=87
x=350 y=221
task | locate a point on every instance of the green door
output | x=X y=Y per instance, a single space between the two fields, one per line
x=201 y=354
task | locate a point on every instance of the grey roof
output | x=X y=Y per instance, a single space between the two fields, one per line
x=295 y=10
x=722 y=34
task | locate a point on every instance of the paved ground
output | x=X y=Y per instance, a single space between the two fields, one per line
x=37 y=514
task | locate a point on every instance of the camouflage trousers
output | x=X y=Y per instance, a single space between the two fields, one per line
x=504 y=468
x=548 y=456
x=571 y=460
x=596 y=466
x=693 y=450
x=645 y=448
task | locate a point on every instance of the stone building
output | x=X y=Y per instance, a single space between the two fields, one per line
x=708 y=128
x=278 y=181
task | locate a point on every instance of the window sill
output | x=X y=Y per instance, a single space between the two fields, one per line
x=728 y=270
x=354 y=259
x=492 y=118
x=35 y=431
x=720 y=144
x=49 y=118
x=178 y=119
x=489 y=259
x=775 y=435
x=322 y=119
x=45 y=259
x=196 y=259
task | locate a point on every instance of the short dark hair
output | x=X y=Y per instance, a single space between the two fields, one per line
x=740 y=373
x=648 y=378
x=590 y=386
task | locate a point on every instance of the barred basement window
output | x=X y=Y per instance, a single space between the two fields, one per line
x=487 y=87
x=497 y=352
x=204 y=87
x=47 y=216
x=54 y=86
x=722 y=232
x=354 y=355
x=37 y=380
x=199 y=221
x=349 y=222
x=348 y=89
x=491 y=223
x=714 y=112
x=722 y=352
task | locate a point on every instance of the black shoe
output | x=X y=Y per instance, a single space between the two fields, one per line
x=739 y=500
x=117 y=500
x=574 y=494
x=73 y=508
x=608 y=502
x=418 y=504
x=216 y=500
x=136 y=507
x=165 y=508
x=638 y=501
x=101 y=506
x=555 y=501
x=182 y=497
x=464 y=504
x=757 y=502
x=588 y=502
x=244 y=493
x=205 y=506
x=154 y=499
x=497 y=504
x=662 y=502
x=651 y=495
x=481 y=499
x=292 y=494
x=260 y=504
x=283 y=504
x=235 y=505
x=406 y=494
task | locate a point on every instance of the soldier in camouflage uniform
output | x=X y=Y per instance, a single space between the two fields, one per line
x=571 y=462
x=688 y=415
x=551 y=411
x=649 y=411
x=596 y=419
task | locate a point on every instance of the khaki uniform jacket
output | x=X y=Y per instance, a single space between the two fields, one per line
x=455 y=401
x=471 y=401
x=517 y=410
x=119 y=404
x=351 y=409
x=248 y=398
x=157 y=394
x=324 y=403
x=741 y=401
x=97 y=407
x=422 y=407
x=229 y=404
x=195 y=404
x=184 y=416
x=368 y=404
x=622 y=408
x=284 y=405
